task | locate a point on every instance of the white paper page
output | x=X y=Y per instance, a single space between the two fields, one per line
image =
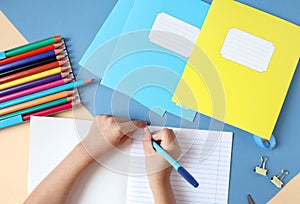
x=212 y=173
x=51 y=139
x=247 y=49
x=174 y=34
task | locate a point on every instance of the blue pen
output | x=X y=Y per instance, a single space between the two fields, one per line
x=176 y=165
x=72 y=85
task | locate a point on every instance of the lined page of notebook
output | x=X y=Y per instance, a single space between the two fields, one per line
x=212 y=173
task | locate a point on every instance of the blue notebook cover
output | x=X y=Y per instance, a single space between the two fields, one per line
x=129 y=63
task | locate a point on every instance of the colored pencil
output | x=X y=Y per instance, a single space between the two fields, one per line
x=31 y=53
x=69 y=86
x=30 y=60
x=51 y=111
x=34 y=77
x=32 y=46
x=32 y=71
x=39 y=107
x=30 y=84
x=36 y=102
x=38 y=63
x=35 y=89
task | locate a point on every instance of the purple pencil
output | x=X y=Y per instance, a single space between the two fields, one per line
x=33 y=84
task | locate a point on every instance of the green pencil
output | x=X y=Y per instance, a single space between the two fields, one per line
x=32 y=46
x=39 y=107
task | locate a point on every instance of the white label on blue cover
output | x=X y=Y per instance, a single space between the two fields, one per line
x=247 y=49
x=174 y=34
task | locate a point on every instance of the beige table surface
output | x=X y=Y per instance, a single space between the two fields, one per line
x=14 y=141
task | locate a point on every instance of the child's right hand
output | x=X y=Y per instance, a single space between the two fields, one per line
x=158 y=169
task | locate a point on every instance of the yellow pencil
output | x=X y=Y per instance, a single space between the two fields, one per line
x=33 y=77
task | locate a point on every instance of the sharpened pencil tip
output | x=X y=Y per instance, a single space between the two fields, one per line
x=60 y=57
x=57 y=38
x=71 y=98
x=58 y=51
x=58 y=45
x=65 y=68
x=62 y=62
x=87 y=81
x=67 y=80
x=76 y=103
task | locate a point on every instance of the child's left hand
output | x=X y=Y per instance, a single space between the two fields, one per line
x=108 y=132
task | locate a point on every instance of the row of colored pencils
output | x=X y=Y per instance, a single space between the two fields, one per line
x=36 y=80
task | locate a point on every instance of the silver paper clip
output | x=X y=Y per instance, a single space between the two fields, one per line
x=278 y=180
x=261 y=169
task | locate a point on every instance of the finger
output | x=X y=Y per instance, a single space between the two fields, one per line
x=166 y=136
x=147 y=142
x=130 y=126
x=121 y=119
x=123 y=140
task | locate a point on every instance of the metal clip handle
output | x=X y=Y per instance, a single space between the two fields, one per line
x=263 y=162
x=283 y=174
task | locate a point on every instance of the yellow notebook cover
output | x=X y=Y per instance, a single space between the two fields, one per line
x=252 y=57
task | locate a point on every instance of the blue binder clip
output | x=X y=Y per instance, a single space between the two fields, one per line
x=264 y=143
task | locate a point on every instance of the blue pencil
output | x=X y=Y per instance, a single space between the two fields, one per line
x=30 y=60
x=182 y=171
x=71 y=85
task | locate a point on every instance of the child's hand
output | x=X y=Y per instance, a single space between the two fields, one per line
x=158 y=169
x=108 y=132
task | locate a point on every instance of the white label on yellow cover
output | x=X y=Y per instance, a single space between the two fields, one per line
x=247 y=49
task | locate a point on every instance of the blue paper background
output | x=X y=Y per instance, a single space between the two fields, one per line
x=79 y=21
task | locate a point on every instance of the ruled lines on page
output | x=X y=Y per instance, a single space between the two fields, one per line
x=212 y=173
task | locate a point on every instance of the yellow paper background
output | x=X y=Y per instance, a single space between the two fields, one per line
x=253 y=100
x=14 y=141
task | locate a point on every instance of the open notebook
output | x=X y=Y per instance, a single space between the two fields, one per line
x=52 y=138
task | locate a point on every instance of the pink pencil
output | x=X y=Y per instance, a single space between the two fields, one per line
x=35 y=89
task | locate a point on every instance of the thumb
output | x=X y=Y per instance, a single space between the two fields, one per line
x=147 y=142
x=130 y=126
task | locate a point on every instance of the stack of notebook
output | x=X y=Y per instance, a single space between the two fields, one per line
x=183 y=58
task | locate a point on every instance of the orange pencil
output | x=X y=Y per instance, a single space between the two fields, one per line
x=36 y=102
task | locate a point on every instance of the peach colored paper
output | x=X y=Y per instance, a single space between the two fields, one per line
x=289 y=194
x=14 y=141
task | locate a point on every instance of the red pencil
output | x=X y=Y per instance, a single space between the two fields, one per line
x=52 y=110
x=30 y=53
x=31 y=71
